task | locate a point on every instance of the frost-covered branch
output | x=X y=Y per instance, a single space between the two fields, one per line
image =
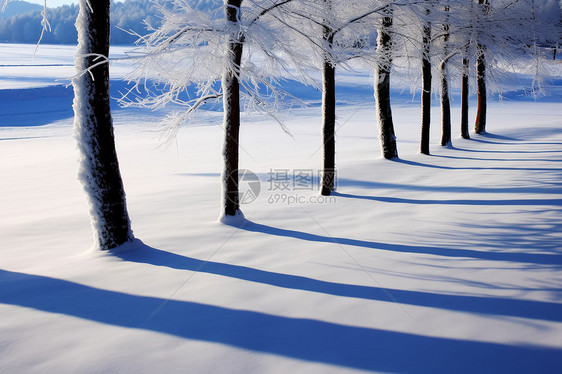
x=267 y=10
x=102 y=60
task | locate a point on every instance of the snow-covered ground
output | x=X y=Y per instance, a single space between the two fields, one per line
x=450 y=263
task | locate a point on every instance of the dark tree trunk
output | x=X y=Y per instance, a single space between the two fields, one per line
x=382 y=88
x=445 y=101
x=99 y=169
x=328 y=178
x=231 y=104
x=464 y=98
x=480 y=125
x=445 y=107
x=426 y=89
x=328 y=121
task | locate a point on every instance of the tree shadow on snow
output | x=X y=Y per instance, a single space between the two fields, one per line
x=433 y=166
x=489 y=202
x=372 y=185
x=551 y=260
x=482 y=136
x=472 y=304
x=488 y=159
x=511 y=151
x=296 y=338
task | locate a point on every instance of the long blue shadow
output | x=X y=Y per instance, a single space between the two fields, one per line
x=528 y=258
x=498 y=159
x=297 y=338
x=35 y=106
x=432 y=166
x=38 y=106
x=511 y=152
x=472 y=304
x=346 y=182
x=498 y=202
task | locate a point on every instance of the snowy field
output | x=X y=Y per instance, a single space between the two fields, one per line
x=450 y=263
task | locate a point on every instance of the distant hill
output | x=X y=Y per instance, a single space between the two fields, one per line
x=16 y=7
x=26 y=27
x=24 y=24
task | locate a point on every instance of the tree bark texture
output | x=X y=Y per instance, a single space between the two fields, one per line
x=93 y=128
x=445 y=101
x=387 y=136
x=231 y=104
x=464 y=98
x=328 y=178
x=426 y=89
x=445 y=107
x=328 y=125
x=480 y=124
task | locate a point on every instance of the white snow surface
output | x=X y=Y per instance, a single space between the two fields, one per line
x=450 y=263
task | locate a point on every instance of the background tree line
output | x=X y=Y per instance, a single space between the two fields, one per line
x=127 y=15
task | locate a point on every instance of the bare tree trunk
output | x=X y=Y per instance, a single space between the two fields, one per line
x=445 y=101
x=387 y=136
x=231 y=104
x=328 y=109
x=328 y=122
x=480 y=125
x=445 y=107
x=93 y=128
x=464 y=97
x=426 y=89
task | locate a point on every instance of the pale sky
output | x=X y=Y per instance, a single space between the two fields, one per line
x=53 y=3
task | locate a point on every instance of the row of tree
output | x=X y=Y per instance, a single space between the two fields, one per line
x=250 y=46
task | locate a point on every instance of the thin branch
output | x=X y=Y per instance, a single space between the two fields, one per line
x=202 y=100
x=103 y=58
x=267 y=10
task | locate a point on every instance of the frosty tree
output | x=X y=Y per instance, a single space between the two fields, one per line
x=480 y=124
x=426 y=81
x=494 y=35
x=445 y=101
x=503 y=32
x=328 y=100
x=383 y=69
x=93 y=128
x=338 y=31
x=217 y=50
x=419 y=49
x=465 y=85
